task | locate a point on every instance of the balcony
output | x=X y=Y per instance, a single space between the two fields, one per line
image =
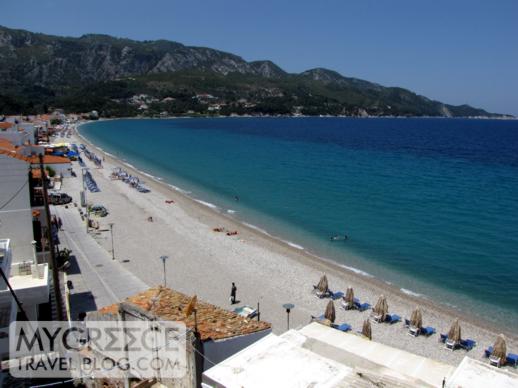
x=30 y=282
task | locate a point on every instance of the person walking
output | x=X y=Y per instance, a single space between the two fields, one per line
x=233 y=292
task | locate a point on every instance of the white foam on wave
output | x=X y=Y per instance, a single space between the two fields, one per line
x=208 y=204
x=293 y=245
x=256 y=228
x=129 y=165
x=176 y=188
x=109 y=154
x=357 y=271
x=230 y=211
x=411 y=293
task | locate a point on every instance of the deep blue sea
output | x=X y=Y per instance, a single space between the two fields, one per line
x=429 y=205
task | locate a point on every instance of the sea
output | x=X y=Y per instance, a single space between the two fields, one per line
x=428 y=205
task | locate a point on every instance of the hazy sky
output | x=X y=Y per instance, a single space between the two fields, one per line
x=456 y=51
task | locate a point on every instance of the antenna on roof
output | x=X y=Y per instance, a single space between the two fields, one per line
x=191 y=308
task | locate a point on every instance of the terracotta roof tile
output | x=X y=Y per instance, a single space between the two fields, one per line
x=50 y=159
x=7 y=145
x=213 y=322
x=15 y=155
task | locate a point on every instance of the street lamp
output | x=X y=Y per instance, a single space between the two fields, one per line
x=164 y=258
x=84 y=196
x=111 y=232
x=288 y=307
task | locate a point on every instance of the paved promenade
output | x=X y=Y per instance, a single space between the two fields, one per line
x=97 y=280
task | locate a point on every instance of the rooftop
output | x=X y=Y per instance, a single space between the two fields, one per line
x=318 y=355
x=50 y=159
x=5 y=125
x=214 y=323
x=473 y=373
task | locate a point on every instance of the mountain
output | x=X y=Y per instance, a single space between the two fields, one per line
x=107 y=73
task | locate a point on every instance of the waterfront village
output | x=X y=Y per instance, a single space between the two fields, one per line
x=54 y=269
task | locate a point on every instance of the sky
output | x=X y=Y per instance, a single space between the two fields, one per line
x=455 y=51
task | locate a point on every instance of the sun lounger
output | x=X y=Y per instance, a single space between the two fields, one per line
x=336 y=295
x=377 y=318
x=392 y=318
x=512 y=359
x=427 y=331
x=342 y=327
x=363 y=306
x=443 y=338
x=488 y=351
x=407 y=322
x=413 y=331
x=346 y=305
x=468 y=344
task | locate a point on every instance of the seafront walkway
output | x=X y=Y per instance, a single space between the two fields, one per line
x=97 y=280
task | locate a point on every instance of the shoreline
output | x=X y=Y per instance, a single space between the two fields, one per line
x=311 y=257
x=255 y=236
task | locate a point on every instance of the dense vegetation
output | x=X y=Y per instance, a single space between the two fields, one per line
x=121 y=77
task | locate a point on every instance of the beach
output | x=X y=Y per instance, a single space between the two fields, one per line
x=265 y=270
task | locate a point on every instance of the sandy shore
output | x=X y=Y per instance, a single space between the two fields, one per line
x=265 y=270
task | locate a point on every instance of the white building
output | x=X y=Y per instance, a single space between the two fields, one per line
x=18 y=257
x=320 y=356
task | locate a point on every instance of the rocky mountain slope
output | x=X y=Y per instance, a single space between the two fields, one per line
x=38 y=69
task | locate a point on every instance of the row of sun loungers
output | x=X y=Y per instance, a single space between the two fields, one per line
x=380 y=314
x=90 y=183
x=131 y=180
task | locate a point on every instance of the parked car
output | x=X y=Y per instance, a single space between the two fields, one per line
x=98 y=210
x=59 y=198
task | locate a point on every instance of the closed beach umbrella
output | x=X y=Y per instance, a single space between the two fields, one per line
x=500 y=348
x=381 y=307
x=454 y=333
x=349 y=297
x=322 y=285
x=366 y=329
x=330 y=313
x=416 y=319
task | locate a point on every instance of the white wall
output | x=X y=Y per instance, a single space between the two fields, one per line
x=16 y=215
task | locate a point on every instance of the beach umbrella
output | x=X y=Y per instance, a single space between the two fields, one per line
x=500 y=348
x=366 y=329
x=349 y=297
x=381 y=307
x=330 y=313
x=322 y=285
x=454 y=333
x=416 y=319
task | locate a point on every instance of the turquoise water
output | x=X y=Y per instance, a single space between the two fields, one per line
x=429 y=205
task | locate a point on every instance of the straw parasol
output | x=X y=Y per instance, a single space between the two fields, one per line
x=381 y=307
x=330 y=313
x=366 y=329
x=500 y=348
x=416 y=319
x=454 y=333
x=349 y=297
x=322 y=285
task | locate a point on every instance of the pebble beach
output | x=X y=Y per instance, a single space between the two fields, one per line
x=266 y=271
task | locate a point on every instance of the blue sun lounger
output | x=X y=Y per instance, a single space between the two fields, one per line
x=342 y=327
x=363 y=306
x=512 y=359
x=467 y=344
x=392 y=318
x=427 y=331
x=336 y=295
